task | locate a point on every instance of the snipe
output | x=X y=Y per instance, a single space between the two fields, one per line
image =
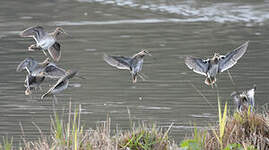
x=219 y=63
x=61 y=85
x=32 y=81
x=45 y=41
x=244 y=99
x=133 y=64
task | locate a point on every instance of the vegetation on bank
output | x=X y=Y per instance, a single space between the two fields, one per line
x=241 y=131
x=70 y=135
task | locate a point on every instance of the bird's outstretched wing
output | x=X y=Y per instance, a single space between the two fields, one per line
x=197 y=65
x=37 y=32
x=119 y=62
x=64 y=79
x=23 y=64
x=231 y=58
x=67 y=76
x=29 y=64
x=52 y=71
x=60 y=83
x=55 y=51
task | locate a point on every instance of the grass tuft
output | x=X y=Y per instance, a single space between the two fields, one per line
x=243 y=131
x=7 y=145
x=71 y=135
x=145 y=138
x=246 y=128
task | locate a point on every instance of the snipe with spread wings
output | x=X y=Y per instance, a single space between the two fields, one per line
x=133 y=64
x=44 y=40
x=219 y=63
x=61 y=84
x=32 y=81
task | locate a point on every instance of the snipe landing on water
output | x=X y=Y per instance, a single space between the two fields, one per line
x=32 y=81
x=133 y=64
x=219 y=63
x=45 y=41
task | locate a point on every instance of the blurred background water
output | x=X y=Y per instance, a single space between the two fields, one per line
x=170 y=29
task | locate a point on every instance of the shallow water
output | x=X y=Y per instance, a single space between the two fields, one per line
x=171 y=30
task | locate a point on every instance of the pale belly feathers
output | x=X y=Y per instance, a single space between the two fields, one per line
x=46 y=42
x=212 y=72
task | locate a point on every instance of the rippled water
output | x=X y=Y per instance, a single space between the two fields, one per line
x=171 y=30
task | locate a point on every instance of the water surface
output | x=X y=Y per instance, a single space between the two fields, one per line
x=171 y=30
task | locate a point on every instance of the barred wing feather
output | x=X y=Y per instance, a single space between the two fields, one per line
x=198 y=65
x=119 y=62
x=230 y=59
x=36 y=32
x=55 y=51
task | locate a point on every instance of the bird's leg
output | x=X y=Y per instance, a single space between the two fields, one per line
x=208 y=81
x=40 y=88
x=33 y=47
x=28 y=91
x=213 y=82
x=134 y=76
x=44 y=52
x=212 y=86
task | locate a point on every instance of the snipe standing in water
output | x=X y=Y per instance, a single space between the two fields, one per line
x=244 y=99
x=219 y=63
x=133 y=64
x=45 y=41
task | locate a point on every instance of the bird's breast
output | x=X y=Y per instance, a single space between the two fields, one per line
x=46 y=42
x=213 y=70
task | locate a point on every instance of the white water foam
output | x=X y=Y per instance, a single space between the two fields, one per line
x=131 y=21
x=207 y=11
